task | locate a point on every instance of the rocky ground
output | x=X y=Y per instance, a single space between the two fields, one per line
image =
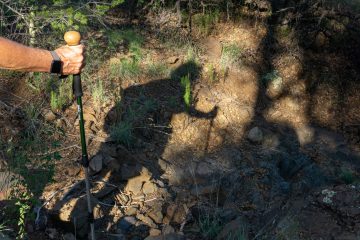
x=269 y=150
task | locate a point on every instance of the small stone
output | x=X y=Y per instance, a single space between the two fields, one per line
x=98 y=213
x=156 y=215
x=167 y=229
x=69 y=236
x=148 y=221
x=171 y=236
x=96 y=163
x=255 y=135
x=176 y=213
x=130 y=170
x=135 y=184
x=126 y=223
x=154 y=232
x=149 y=188
x=235 y=228
x=88 y=117
x=49 y=116
x=60 y=123
x=131 y=211
x=172 y=60
x=320 y=40
x=51 y=232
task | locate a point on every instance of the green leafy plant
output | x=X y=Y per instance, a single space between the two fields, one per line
x=23 y=210
x=272 y=77
x=186 y=85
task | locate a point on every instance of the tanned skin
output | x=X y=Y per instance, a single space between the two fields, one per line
x=15 y=56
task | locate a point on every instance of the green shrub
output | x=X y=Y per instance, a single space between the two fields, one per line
x=231 y=54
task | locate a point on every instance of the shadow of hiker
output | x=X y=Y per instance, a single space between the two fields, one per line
x=139 y=128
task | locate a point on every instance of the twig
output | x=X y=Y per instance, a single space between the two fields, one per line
x=57 y=150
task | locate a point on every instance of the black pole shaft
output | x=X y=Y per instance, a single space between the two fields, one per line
x=77 y=88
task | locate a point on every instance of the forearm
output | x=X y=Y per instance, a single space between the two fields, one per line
x=15 y=56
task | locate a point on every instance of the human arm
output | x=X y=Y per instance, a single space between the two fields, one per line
x=15 y=56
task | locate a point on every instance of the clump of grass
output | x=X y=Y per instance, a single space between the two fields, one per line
x=210 y=226
x=231 y=54
x=128 y=36
x=122 y=133
x=61 y=96
x=186 y=85
x=347 y=176
x=156 y=70
x=127 y=69
x=211 y=73
x=206 y=22
x=134 y=117
x=272 y=77
x=238 y=235
x=99 y=93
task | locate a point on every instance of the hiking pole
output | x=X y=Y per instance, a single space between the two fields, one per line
x=73 y=38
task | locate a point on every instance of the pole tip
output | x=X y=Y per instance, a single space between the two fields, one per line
x=72 y=38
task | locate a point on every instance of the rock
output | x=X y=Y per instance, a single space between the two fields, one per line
x=204 y=169
x=96 y=163
x=156 y=215
x=74 y=211
x=176 y=213
x=290 y=165
x=109 y=149
x=49 y=116
x=321 y=40
x=148 y=221
x=255 y=135
x=51 y=232
x=69 y=236
x=60 y=123
x=130 y=170
x=135 y=184
x=131 y=210
x=154 y=232
x=171 y=236
x=167 y=229
x=204 y=189
x=88 y=117
x=126 y=223
x=172 y=60
x=236 y=229
x=149 y=188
